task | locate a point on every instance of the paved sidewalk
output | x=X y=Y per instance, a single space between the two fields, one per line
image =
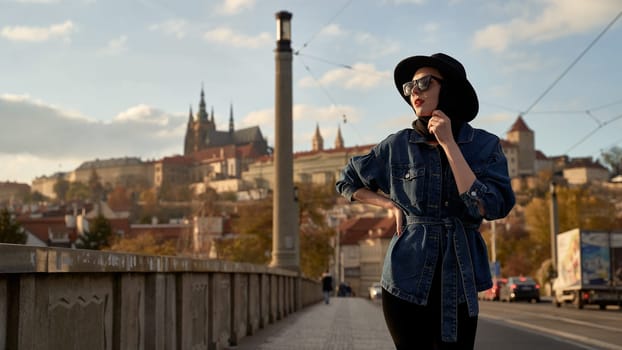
x=344 y=324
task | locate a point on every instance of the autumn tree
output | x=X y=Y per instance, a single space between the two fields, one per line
x=96 y=187
x=254 y=225
x=119 y=199
x=613 y=159
x=148 y=200
x=98 y=236
x=61 y=187
x=78 y=191
x=577 y=207
x=254 y=242
x=315 y=234
x=144 y=244
x=34 y=197
x=10 y=230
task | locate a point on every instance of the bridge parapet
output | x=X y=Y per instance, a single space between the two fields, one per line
x=55 y=298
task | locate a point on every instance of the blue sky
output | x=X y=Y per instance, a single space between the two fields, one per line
x=86 y=79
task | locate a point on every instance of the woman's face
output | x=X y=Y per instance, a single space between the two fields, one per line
x=425 y=102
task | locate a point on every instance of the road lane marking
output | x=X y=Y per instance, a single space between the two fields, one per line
x=556 y=333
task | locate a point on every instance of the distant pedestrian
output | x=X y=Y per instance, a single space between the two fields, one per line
x=327 y=286
x=439 y=179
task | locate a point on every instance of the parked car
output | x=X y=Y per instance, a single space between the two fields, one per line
x=493 y=293
x=375 y=291
x=520 y=288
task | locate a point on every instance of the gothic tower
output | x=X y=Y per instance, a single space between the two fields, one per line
x=189 y=138
x=523 y=137
x=231 y=129
x=318 y=141
x=339 y=138
x=198 y=128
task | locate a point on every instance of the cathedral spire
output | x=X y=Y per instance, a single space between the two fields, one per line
x=318 y=141
x=202 y=115
x=190 y=117
x=339 y=138
x=212 y=120
x=231 y=118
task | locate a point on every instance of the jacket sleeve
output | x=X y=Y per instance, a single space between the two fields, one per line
x=368 y=171
x=492 y=187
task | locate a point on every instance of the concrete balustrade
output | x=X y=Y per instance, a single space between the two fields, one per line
x=53 y=298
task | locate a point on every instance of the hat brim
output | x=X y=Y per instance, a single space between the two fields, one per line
x=405 y=70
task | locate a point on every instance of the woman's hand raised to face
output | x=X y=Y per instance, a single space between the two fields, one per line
x=440 y=125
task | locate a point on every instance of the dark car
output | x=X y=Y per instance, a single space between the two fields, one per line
x=493 y=293
x=344 y=290
x=520 y=288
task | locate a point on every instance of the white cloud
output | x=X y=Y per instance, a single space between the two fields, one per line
x=115 y=46
x=173 y=27
x=558 y=18
x=24 y=168
x=38 y=34
x=142 y=114
x=43 y=131
x=328 y=113
x=369 y=46
x=261 y=117
x=376 y=47
x=362 y=76
x=333 y=30
x=227 y=36
x=487 y=121
x=232 y=7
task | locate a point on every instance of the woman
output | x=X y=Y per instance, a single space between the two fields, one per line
x=441 y=179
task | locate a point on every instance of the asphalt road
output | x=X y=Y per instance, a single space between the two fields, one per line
x=358 y=324
x=519 y=324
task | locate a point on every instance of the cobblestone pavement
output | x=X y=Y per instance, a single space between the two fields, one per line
x=344 y=324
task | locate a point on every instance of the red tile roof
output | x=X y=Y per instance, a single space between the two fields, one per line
x=520 y=125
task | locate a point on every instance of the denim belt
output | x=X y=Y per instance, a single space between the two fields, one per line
x=456 y=263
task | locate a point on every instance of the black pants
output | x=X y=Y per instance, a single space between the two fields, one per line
x=414 y=327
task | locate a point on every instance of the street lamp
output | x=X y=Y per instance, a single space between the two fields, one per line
x=283 y=31
x=285 y=220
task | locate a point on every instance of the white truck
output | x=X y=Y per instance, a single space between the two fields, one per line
x=589 y=268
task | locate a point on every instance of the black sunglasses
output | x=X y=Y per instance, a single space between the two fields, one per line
x=422 y=84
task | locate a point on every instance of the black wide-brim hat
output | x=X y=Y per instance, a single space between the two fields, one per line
x=453 y=73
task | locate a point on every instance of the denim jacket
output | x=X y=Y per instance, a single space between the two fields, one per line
x=440 y=224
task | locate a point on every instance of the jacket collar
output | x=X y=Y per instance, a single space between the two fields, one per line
x=466 y=135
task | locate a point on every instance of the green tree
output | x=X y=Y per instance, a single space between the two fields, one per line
x=61 y=187
x=78 y=191
x=10 y=230
x=98 y=235
x=34 y=197
x=315 y=234
x=525 y=247
x=254 y=225
x=96 y=187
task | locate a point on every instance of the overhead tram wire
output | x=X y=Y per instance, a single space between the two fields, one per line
x=306 y=43
x=296 y=52
x=600 y=126
x=573 y=63
x=330 y=98
x=587 y=111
